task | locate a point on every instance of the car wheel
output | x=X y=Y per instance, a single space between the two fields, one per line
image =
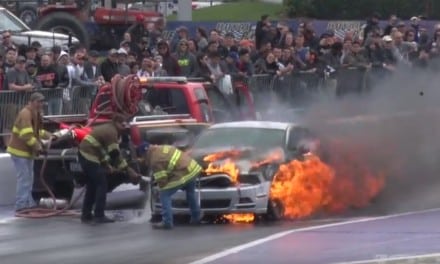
x=275 y=210
x=28 y=15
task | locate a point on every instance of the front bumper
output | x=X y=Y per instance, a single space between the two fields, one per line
x=237 y=199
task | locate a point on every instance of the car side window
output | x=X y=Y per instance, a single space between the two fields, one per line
x=296 y=135
x=178 y=100
x=216 y=99
x=172 y=101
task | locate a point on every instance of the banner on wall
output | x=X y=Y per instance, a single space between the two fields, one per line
x=246 y=30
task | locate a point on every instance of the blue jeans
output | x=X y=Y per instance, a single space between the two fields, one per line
x=165 y=199
x=25 y=180
x=55 y=106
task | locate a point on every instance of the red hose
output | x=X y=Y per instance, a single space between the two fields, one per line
x=54 y=211
x=49 y=212
x=131 y=95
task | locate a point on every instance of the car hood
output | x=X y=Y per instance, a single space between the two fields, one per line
x=248 y=159
x=46 y=39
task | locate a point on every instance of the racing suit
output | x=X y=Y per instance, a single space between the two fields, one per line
x=24 y=145
x=173 y=170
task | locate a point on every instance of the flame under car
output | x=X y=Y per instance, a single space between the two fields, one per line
x=240 y=160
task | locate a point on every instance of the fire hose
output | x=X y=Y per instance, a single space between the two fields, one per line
x=124 y=93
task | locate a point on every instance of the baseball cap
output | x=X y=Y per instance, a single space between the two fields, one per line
x=21 y=59
x=37 y=97
x=30 y=63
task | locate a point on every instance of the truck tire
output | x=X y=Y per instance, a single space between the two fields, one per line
x=66 y=22
x=28 y=15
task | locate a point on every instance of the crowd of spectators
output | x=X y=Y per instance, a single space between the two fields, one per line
x=276 y=50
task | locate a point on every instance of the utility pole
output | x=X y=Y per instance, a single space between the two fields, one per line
x=184 y=10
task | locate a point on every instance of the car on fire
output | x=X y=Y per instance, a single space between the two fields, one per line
x=240 y=160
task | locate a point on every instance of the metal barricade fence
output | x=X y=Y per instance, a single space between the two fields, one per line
x=261 y=87
x=352 y=80
x=11 y=102
x=292 y=89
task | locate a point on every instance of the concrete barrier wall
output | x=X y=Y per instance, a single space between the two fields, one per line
x=7 y=180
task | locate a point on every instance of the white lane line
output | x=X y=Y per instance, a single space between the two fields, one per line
x=275 y=236
x=7 y=220
x=383 y=260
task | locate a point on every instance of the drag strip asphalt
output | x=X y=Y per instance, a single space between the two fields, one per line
x=65 y=240
x=336 y=240
x=400 y=237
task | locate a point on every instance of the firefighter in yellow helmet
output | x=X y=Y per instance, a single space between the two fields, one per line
x=99 y=155
x=25 y=144
x=173 y=170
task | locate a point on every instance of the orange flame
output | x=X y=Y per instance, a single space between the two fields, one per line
x=239 y=218
x=232 y=154
x=302 y=186
x=276 y=155
x=310 y=186
x=227 y=166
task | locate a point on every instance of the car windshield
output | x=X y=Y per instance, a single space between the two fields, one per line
x=259 y=138
x=9 y=22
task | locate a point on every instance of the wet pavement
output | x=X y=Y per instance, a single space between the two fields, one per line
x=372 y=240
x=66 y=240
x=132 y=240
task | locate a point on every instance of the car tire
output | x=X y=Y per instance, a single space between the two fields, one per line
x=275 y=210
x=65 y=21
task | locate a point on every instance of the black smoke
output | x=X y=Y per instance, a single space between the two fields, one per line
x=394 y=128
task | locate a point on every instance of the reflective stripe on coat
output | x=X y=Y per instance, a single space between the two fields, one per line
x=171 y=167
x=27 y=132
x=96 y=146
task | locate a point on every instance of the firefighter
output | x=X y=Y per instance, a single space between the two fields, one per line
x=24 y=145
x=172 y=170
x=99 y=155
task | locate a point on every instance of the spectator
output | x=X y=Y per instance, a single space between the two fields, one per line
x=92 y=68
x=7 y=43
x=158 y=67
x=123 y=68
x=186 y=60
x=31 y=68
x=261 y=30
x=11 y=56
x=109 y=66
x=201 y=38
x=170 y=63
x=17 y=78
x=47 y=76
x=147 y=68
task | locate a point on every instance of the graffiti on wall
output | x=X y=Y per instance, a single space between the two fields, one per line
x=341 y=27
x=246 y=30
